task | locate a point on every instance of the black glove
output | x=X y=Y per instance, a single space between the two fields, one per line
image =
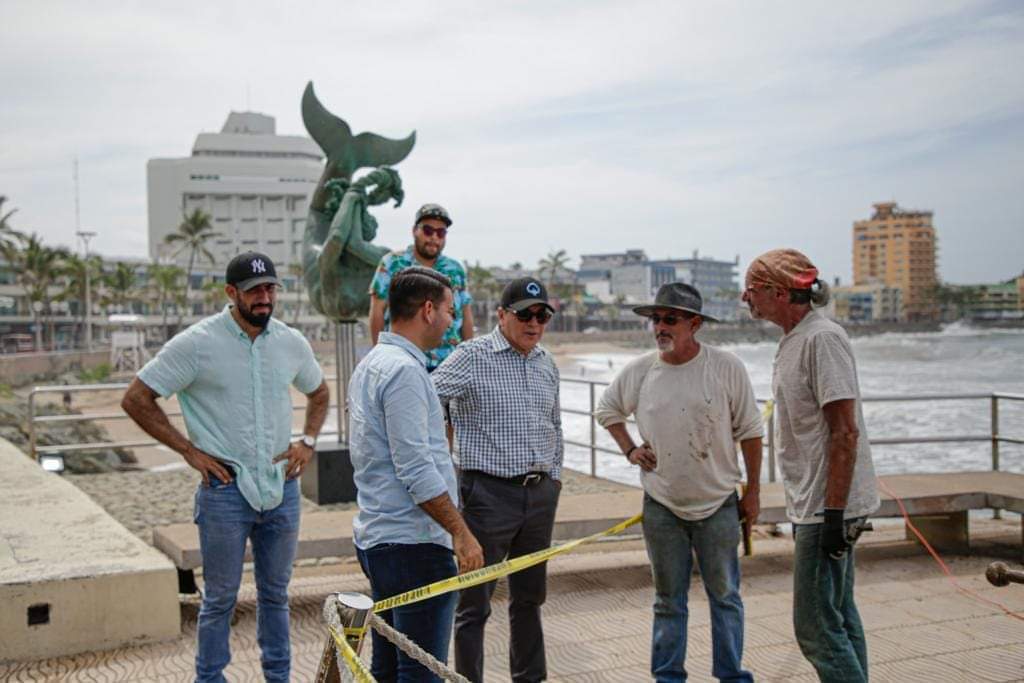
x=833 y=536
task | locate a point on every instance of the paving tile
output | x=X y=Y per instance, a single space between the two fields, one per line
x=990 y=664
x=919 y=670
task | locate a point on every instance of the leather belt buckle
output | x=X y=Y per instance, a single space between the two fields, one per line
x=532 y=478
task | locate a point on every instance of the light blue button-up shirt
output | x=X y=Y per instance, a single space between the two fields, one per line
x=398 y=447
x=234 y=395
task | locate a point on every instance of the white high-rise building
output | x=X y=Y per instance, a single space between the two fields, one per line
x=255 y=184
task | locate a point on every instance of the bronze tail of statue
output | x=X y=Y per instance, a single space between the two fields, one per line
x=345 y=152
x=338 y=256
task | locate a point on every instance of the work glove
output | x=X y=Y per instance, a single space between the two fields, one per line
x=833 y=536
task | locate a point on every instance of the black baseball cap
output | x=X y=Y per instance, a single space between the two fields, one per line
x=249 y=270
x=525 y=292
x=433 y=211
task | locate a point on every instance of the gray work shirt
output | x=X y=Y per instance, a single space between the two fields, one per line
x=814 y=366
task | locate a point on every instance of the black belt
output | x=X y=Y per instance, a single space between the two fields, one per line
x=528 y=479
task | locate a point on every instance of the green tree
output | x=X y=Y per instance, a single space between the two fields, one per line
x=193 y=234
x=76 y=271
x=121 y=285
x=37 y=268
x=164 y=285
x=214 y=296
x=485 y=288
x=9 y=237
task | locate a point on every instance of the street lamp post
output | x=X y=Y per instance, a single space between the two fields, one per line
x=86 y=235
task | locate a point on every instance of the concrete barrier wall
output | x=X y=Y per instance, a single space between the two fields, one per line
x=72 y=579
x=20 y=368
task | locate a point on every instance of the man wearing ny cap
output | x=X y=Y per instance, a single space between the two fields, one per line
x=692 y=403
x=232 y=372
x=429 y=234
x=502 y=391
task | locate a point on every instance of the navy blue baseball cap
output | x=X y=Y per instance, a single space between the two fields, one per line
x=249 y=270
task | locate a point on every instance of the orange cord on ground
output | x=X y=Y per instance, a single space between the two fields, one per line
x=945 y=568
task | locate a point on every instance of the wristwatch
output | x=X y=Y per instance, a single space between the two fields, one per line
x=309 y=441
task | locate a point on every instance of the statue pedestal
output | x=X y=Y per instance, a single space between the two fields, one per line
x=328 y=477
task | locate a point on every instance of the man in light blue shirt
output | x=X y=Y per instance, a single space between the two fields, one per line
x=232 y=372
x=408 y=523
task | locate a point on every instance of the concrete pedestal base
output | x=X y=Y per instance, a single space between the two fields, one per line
x=328 y=478
x=945 y=532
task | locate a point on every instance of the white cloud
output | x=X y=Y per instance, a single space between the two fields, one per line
x=592 y=126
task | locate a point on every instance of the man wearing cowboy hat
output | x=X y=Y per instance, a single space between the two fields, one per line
x=692 y=403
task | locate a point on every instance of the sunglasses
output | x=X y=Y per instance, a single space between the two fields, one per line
x=430 y=231
x=669 y=319
x=525 y=316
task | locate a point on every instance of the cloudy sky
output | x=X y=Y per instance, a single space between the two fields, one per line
x=587 y=126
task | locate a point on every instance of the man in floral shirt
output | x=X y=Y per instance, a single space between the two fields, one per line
x=429 y=233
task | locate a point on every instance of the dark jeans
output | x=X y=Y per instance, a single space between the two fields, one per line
x=394 y=568
x=671 y=545
x=825 y=618
x=225 y=521
x=508 y=520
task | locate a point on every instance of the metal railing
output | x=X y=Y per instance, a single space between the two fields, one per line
x=36 y=450
x=993 y=437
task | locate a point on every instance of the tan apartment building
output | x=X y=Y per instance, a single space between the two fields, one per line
x=897 y=247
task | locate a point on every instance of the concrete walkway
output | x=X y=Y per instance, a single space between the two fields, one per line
x=597 y=620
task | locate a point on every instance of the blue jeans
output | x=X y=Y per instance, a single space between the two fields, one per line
x=671 y=544
x=394 y=568
x=225 y=521
x=825 y=618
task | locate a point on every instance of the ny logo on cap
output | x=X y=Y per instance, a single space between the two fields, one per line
x=258 y=266
x=533 y=288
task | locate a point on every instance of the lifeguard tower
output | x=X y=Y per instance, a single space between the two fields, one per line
x=127 y=343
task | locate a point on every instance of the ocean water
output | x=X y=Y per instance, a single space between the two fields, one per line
x=957 y=360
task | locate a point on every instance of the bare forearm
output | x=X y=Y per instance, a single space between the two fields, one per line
x=140 y=405
x=841 y=417
x=842 y=456
x=316 y=409
x=752 y=449
x=467 y=323
x=443 y=511
x=622 y=437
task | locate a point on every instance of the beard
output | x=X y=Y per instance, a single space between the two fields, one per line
x=261 y=319
x=426 y=251
x=664 y=342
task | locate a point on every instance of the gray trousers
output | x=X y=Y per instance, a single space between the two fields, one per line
x=509 y=520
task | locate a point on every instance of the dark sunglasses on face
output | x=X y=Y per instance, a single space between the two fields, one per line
x=525 y=316
x=430 y=231
x=669 y=319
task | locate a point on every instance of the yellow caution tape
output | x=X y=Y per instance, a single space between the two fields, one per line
x=355 y=631
x=769 y=408
x=355 y=665
x=495 y=571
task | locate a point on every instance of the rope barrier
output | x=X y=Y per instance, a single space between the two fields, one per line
x=346 y=658
x=403 y=643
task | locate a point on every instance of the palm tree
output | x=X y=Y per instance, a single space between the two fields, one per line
x=120 y=286
x=37 y=268
x=9 y=237
x=213 y=295
x=485 y=288
x=165 y=288
x=551 y=265
x=298 y=271
x=76 y=272
x=193 y=234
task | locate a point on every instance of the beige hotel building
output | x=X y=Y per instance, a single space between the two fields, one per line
x=897 y=247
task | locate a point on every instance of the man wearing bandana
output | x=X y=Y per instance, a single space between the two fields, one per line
x=824 y=456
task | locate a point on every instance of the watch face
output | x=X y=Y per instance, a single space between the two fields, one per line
x=309 y=441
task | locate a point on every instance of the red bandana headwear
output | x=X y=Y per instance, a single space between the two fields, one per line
x=784 y=268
